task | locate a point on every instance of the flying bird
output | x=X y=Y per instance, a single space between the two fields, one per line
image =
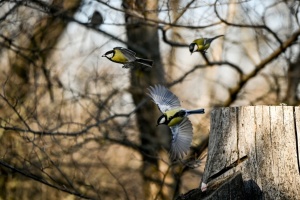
x=126 y=57
x=176 y=118
x=202 y=44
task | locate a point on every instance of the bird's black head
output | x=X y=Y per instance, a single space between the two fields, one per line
x=192 y=47
x=162 y=120
x=109 y=54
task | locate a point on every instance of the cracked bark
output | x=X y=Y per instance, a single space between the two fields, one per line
x=260 y=143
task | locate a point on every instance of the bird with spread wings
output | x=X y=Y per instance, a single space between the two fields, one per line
x=176 y=118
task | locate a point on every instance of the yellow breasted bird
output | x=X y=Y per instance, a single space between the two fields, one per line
x=126 y=57
x=202 y=44
x=176 y=118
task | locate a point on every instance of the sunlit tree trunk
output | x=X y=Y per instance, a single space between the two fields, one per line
x=260 y=142
x=146 y=44
x=253 y=153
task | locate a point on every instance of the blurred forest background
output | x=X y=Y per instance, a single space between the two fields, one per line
x=74 y=125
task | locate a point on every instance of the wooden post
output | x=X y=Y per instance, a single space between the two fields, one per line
x=259 y=142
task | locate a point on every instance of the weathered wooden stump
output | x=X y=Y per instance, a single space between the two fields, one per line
x=259 y=142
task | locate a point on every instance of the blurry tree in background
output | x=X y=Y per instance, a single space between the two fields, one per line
x=74 y=123
x=145 y=36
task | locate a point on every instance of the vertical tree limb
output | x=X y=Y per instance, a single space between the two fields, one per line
x=146 y=37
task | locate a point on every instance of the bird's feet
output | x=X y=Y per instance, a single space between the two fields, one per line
x=126 y=66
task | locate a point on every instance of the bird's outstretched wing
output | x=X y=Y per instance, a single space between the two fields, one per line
x=182 y=135
x=130 y=55
x=163 y=98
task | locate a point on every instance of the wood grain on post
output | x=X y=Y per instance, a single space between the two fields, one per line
x=262 y=143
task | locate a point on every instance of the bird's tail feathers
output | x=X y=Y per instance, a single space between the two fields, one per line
x=146 y=62
x=198 y=111
x=212 y=39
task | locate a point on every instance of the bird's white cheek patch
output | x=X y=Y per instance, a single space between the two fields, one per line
x=195 y=48
x=109 y=55
x=162 y=121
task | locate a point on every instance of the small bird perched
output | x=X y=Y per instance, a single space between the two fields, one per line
x=96 y=19
x=176 y=118
x=126 y=57
x=202 y=44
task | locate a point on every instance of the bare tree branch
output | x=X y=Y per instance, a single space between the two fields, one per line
x=41 y=180
x=235 y=91
x=252 y=26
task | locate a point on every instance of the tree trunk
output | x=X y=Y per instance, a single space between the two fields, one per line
x=260 y=142
x=146 y=44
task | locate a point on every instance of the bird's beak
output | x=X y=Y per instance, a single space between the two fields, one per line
x=103 y=55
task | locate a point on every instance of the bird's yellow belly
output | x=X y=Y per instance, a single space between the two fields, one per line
x=200 y=47
x=203 y=47
x=176 y=120
x=119 y=58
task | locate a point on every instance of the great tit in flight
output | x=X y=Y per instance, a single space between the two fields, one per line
x=202 y=44
x=126 y=57
x=176 y=118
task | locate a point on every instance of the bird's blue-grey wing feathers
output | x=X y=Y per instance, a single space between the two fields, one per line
x=182 y=135
x=163 y=98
